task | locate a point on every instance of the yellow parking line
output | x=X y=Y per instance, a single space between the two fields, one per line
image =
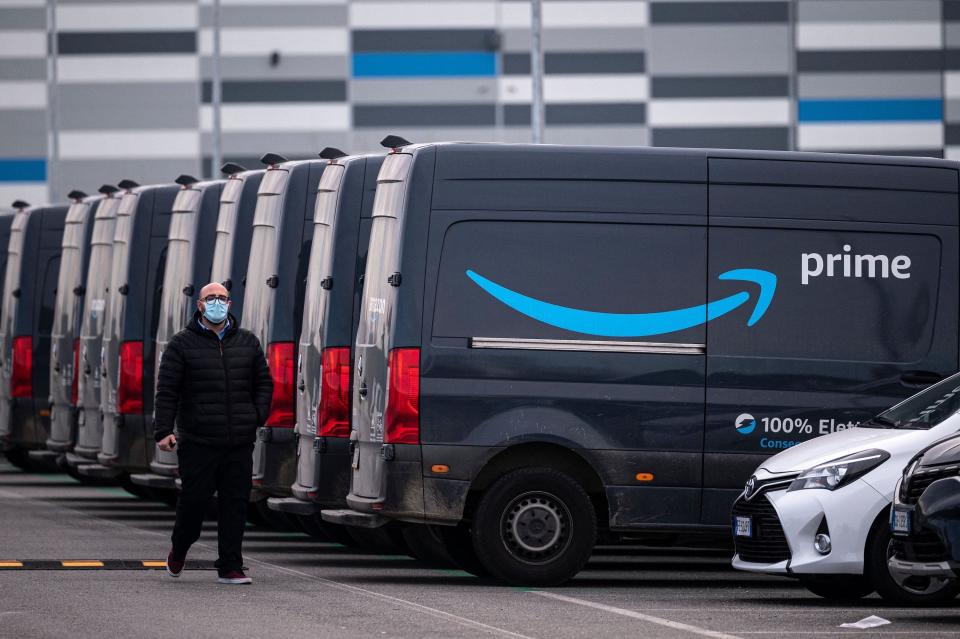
x=153 y=564
x=11 y=564
x=82 y=564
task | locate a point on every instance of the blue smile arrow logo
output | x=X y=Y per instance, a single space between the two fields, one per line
x=636 y=324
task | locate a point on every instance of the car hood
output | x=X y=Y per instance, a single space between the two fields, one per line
x=846 y=442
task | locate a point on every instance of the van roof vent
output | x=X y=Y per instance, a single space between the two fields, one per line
x=107 y=189
x=394 y=142
x=232 y=168
x=76 y=195
x=20 y=204
x=332 y=153
x=185 y=180
x=272 y=159
x=126 y=185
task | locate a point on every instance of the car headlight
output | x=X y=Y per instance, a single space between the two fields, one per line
x=839 y=472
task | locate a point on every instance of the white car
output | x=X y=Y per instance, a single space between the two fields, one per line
x=820 y=511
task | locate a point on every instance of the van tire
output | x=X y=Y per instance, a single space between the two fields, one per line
x=459 y=544
x=839 y=588
x=535 y=527
x=426 y=545
x=272 y=518
x=876 y=555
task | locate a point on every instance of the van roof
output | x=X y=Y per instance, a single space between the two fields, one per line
x=545 y=161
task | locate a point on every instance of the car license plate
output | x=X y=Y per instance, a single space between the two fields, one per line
x=900 y=522
x=356 y=456
x=742 y=526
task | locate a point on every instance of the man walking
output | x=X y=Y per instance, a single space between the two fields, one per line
x=215 y=383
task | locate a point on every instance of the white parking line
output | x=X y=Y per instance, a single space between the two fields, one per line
x=676 y=625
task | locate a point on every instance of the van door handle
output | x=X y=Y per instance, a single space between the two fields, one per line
x=919 y=379
x=362 y=391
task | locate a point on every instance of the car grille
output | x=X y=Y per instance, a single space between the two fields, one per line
x=914 y=484
x=768 y=544
x=922 y=545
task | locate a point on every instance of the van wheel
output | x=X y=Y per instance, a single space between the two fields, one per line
x=459 y=544
x=535 y=526
x=841 y=588
x=897 y=588
x=426 y=545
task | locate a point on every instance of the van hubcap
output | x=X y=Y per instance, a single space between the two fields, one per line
x=536 y=527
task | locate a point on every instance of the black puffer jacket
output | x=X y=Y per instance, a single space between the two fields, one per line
x=218 y=392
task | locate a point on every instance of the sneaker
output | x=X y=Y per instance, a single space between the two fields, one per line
x=174 y=566
x=234 y=578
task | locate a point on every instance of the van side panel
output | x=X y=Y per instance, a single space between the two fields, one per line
x=625 y=395
x=865 y=308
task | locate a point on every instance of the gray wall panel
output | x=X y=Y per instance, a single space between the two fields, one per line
x=130 y=106
x=698 y=50
x=275 y=15
x=88 y=175
x=24 y=133
x=17 y=18
x=438 y=90
x=317 y=67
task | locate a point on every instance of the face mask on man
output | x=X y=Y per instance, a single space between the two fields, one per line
x=215 y=311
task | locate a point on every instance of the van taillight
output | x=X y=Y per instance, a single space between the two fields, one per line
x=280 y=360
x=130 y=385
x=403 y=397
x=75 y=385
x=333 y=413
x=21 y=381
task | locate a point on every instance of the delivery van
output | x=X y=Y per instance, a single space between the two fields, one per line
x=136 y=275
x=273 y=309
x=231 y=250
x=26 y=321
x=71 y=300
x=341 y=230
x=89 y=428
x=561 y=342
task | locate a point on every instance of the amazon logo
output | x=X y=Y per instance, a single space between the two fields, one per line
x=636 y=324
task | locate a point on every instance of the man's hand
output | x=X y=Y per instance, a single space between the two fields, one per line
x=168 y=443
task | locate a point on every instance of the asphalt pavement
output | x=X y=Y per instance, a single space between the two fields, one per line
x=307 y=588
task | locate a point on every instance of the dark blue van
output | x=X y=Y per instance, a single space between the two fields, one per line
x=341 y=231
x=89 y=427
x=136 y=274
x=273 y=310
x=231 y=251
x=561 y=342
x=83 y=218
x=26 y=321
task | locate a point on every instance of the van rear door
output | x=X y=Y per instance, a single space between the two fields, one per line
x=864 y=310
x=374 y=335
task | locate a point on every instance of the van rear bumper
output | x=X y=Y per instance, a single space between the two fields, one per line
x=347 y=517
x=99 y=471
x=151 y=480
x=293 y=506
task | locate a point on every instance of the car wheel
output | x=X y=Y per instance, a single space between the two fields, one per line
x=535 y=526
x=841 y=588
x=899 y=588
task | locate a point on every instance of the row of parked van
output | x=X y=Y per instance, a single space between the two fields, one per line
x=499 y=355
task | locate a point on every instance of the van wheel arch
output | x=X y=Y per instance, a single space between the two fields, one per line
x=547 y=454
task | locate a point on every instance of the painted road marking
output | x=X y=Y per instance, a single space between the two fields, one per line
x=675 y=625
x=82 y=564
x=98 y=564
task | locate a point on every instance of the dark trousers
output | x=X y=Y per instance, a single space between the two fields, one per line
x=203 y=470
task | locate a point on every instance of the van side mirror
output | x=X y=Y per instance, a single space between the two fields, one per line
x=227 y=284
x=188 y=290
x=79 y=290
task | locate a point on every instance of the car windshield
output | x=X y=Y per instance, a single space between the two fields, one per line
x=924 y=410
